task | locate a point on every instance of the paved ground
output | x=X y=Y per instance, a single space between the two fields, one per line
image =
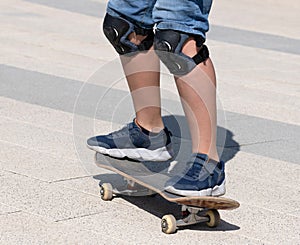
x=56 y=69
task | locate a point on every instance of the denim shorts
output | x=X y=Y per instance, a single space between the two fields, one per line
x=188 y=16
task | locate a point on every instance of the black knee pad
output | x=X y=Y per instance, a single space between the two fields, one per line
x=117 y=29
x=168 y=46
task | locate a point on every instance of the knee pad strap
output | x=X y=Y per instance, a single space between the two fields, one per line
x=117 y=30
x=168 y=46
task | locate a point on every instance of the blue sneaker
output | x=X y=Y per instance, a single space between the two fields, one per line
x=135 y=143
x=203 y=177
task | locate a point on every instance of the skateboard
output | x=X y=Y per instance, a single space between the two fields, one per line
x=148 y=178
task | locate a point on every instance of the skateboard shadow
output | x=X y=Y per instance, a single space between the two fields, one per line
x=158 y=206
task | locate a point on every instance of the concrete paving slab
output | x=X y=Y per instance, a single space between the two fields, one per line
x=40 y=44
x=282 y=85
x=60 y=42
x=264 y=168
x=263 y=86
x=295 y=213
x=39 y=165
x=268 y=191
x=5 y=209
x=286 y=150
x=142 y=228
x=266 y=74
x=91 y=8
x=86 y=185
x=284 y=197
x=36 y=115
x=42 y=52
x=25 y=14
x=273 y=105
x=49 y=200
x=259 y=40
x=25 y=228
x=265 y=137
x=62 y=94
x=263 y=12
x=51 y=119
x=40 y=139
x=29 y=63
x=264 y=225
x=280 y=113
x=260 y=130
x=36 y=88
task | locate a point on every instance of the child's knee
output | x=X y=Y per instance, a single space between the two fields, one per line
x=126 y=37
x=175 y=49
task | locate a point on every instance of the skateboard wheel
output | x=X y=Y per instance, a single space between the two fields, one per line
x=106 y=191
x=214 y=218
x=168 y=224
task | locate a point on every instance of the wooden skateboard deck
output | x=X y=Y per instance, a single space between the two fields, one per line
x=153 y=176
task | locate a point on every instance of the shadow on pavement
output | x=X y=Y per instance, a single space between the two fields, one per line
x=227 y=146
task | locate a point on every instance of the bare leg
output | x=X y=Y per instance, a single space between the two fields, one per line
x=143 y=77
x=142 y=73
x=197 y=90
x=198 y=94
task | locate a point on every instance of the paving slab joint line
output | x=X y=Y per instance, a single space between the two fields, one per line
x=59 y=183
x=77 y=217
x=255 y=143
x=15 y=173
x=80 y=191
x=48 y=182
x=23 y=175
x=59 y=222
x=72 y=178
x=13 y=212
x=49 y=219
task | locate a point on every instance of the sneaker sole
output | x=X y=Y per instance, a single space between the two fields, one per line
x=140 y=154
x=218 y=190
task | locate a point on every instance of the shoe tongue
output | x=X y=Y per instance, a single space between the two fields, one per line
x=202 y=160
x=200 y=157
x=196 y=161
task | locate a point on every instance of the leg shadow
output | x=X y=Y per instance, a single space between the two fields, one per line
x=227 y=146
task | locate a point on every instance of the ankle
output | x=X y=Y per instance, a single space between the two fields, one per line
x=152 y=126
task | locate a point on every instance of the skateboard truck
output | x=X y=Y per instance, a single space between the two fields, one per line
x=190 y=216
x=130 y=188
